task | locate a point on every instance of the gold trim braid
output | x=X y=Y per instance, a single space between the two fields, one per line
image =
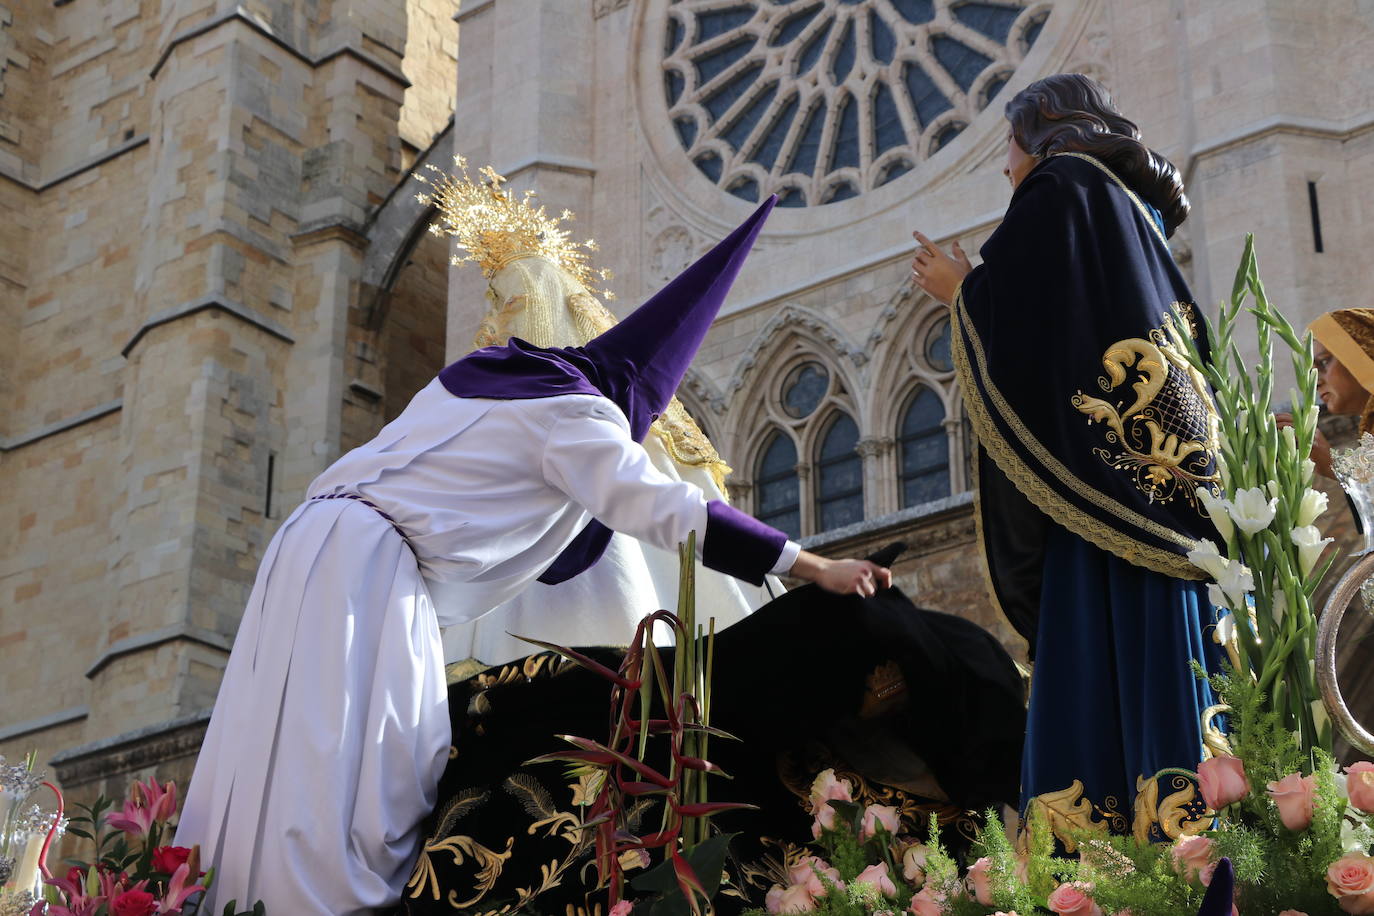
x=1037 y=490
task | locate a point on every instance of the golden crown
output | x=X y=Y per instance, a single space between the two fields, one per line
x=494 y=228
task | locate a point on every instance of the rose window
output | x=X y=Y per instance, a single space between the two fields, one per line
x=821 y=100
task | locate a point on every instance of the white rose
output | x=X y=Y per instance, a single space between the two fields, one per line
x=1313 y=505
x=1310 y=544
x=1251 y=512
x=1216 y=511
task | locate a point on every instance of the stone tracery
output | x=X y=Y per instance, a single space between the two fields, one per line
x=822 y=100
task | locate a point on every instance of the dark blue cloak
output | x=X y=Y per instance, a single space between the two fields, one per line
x=1095 y=436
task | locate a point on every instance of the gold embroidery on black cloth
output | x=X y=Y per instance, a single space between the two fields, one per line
x=1167 y=437
x=1074 y=818
x=970 y=363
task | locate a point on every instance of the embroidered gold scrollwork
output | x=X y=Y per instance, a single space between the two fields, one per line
x=1167 y=436
x=1181 y=813
x=1069 y=815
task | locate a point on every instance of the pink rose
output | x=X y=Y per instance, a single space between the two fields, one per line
x=1350 y=879
x=876 y=875
x=805 y=874
x=880 y=814
x=980 y=882
x=1359 y=785
x=796 y=899
x=1292 y=913
x=772 y=901
x=1222 y=780
x=1191 y=854
x=1073 y=899
x=621 y=909
x=923 y=904
x=1293 y=795
x=914 y=863
x=826 y=787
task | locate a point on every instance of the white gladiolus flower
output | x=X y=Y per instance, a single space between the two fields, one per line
x=1226 y=628
x=1312 y=506
x=1236 y=581
x=1216 y=511
x=1250 y=511
x=1273 y=488
x=1206 y=558
x=1309 y=467
x=1280 y=608
x=1310 y=544
x=1217 y=597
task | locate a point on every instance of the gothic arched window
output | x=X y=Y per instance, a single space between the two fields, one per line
x=923 y=447
x=839 y=476
x=778 y=490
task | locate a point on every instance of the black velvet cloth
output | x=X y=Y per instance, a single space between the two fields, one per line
x=921 y=710
x=1078 y=396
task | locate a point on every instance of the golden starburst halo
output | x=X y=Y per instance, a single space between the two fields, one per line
x=492 y=228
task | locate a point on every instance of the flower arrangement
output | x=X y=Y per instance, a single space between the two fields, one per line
x=690 y=871
x=1269 y=563
x=1293 y=834
x=132 y=873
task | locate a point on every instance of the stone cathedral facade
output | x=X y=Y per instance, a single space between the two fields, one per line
x=214 y=275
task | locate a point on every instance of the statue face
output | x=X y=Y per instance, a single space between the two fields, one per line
x=1019 y=162
x=1335 y=385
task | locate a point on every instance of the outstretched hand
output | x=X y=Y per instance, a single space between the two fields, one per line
x=1321 y=449
x=936 y=272
x=843 y=577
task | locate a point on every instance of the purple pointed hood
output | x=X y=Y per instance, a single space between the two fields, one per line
x=638 y=364
x=1221 y=892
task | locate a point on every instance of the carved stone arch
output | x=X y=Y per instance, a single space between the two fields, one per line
x=898 y=364
x=776 y=343
x=394 y=227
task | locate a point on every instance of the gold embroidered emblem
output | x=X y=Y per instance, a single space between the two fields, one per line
x=1069 y=815
x=1167 y=436
x=1181 y=813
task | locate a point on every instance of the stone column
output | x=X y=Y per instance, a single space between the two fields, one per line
x=881 y=486
x=531 y=106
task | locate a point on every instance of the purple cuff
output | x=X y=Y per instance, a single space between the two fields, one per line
x=739 y=545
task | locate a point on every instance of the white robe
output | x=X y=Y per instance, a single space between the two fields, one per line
x=331 y=729
x=602 y=606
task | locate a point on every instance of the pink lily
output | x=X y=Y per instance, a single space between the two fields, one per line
x=148 y=804
x=179 y=889
x=74 y=894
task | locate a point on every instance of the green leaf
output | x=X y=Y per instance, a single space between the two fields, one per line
x=707 y=860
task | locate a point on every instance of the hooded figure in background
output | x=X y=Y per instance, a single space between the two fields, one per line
x=535 y=300
x=331 y=728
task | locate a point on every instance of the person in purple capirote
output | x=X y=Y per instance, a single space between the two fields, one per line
x=331 y=729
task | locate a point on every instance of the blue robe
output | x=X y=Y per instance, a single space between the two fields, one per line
x=1094 y=438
